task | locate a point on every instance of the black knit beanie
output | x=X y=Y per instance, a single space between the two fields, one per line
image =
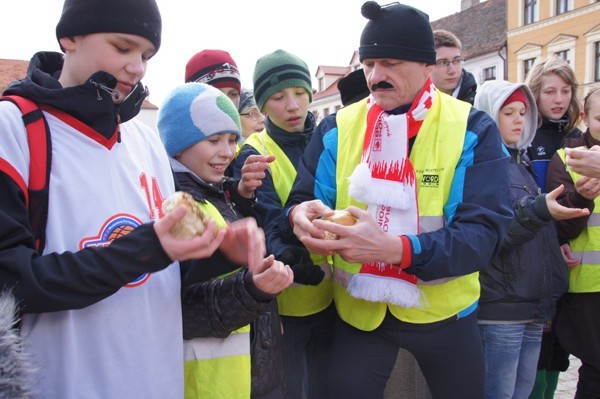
x=136 y=17
x=396 y=31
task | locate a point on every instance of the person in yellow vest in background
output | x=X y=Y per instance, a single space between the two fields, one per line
x=425 y=177
x=578 y=321
x=283 y=92
x=199 y=127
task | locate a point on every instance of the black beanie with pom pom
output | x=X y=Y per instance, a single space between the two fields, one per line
x=396 y=31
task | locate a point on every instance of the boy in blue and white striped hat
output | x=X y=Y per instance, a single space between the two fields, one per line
x=199 y=127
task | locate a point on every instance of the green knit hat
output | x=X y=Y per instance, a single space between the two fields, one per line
x=277 y=71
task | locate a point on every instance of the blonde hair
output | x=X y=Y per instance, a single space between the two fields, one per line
x=443 y=38
x=561 y=68
x=587 y=101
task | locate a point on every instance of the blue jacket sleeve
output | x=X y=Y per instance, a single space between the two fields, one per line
x=478 y=212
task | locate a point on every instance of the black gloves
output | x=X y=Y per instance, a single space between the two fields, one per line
x=299 y=260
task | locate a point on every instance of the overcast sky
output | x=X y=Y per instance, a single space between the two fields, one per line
x=321 y=32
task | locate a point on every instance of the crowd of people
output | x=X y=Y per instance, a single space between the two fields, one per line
x=472 y=242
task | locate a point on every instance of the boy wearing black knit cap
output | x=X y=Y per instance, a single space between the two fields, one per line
x=101 y=298
x=283 y=92
x=413 y=166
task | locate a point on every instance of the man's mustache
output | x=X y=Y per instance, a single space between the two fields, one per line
x=381 y=85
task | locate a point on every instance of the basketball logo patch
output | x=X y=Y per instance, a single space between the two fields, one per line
x=117 y=226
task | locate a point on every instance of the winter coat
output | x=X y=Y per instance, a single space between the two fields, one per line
x=549 y=137
x=215 y=307
x=529 y=275
x=468 y=87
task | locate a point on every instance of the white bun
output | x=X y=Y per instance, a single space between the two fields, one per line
x=194 y=221
x=340 y=217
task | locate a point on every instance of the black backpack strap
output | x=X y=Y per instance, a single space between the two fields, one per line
x=40 y=150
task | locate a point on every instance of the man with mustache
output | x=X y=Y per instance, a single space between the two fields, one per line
x=415 y=167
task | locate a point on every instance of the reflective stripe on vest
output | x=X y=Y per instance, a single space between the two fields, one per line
x=297 y=300
x=218 y=367
x=436 y=152
x=586 y=248
x=282 y=170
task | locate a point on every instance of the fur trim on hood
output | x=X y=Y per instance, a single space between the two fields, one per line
x=13 y=363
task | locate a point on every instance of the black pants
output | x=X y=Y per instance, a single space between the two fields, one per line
x=578 y=330
x=450 y=355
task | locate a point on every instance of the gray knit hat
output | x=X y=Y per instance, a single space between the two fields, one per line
x=246 y=100
x=277 y=71
x=136 y=17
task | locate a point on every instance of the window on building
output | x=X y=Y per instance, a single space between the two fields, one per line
x=337 y=108
x=325 y=112
x=562 y=6
x=563 y=54
x=527 y=64
x=489 y=73
x=597 y=61
x=530 y=13
x=321 y=88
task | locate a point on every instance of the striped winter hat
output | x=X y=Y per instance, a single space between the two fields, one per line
x=193 y=112
x=277 y=71
x=214 y=67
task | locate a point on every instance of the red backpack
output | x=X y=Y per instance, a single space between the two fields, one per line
x=40 y=149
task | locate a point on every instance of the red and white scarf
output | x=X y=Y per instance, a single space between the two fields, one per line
x=386 y=182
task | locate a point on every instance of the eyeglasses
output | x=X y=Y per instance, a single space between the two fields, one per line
x=443 y=63
x=254 y=114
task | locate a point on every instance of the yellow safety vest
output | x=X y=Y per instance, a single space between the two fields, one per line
x=434 y=156
x=218 y=368
x=297 y=300
x=586 y=247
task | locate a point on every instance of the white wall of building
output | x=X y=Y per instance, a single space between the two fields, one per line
x=477 y=65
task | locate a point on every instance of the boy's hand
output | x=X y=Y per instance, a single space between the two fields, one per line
x=568 y=256
x=199 y=247
x=253 y=172
x=271 y=276
x=559 y=212
x=244 y=243
x=588 y=187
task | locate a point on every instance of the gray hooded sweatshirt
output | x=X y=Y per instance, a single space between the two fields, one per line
x=491 y=96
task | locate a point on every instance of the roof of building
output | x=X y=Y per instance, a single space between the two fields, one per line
x=481 y=28
x=17 y=69
x=333 y=70
x=11 y=70
x=330 y=90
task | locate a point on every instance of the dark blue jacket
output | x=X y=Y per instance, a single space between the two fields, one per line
x=529 y=274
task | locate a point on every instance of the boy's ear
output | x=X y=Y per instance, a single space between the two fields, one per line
x=67 y=43
x=583 y=117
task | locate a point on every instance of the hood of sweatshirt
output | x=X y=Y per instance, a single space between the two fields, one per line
x=492 y=95
x=90 y=103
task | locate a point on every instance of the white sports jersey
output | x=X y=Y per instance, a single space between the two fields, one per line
x=130 y=344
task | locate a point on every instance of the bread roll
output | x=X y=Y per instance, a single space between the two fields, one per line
x=194 y=221
x=340 y=217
